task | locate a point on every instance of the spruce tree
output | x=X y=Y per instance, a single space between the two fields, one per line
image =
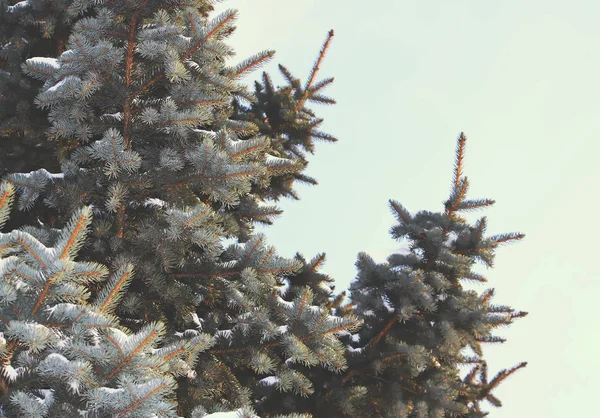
x=139 y=105
x=421 y=325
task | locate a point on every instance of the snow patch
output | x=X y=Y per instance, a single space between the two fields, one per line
x=387 y=305
x=45 y=172
x=284 y=288
x=5 y=264
x=232 y=414
x=269 y=381
x=272 y=160
x=451 y=239
x=110 y=390
x=58 y=85
x=116 y=116
x=225 y=333
x=324 y=286
x=209 y=134
x=19 y=5
x=285 y=302
x=53 y=62
x=153 y=201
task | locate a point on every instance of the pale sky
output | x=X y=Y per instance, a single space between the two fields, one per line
x=520 y=78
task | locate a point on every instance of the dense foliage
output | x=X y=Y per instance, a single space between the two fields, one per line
x=131 y=279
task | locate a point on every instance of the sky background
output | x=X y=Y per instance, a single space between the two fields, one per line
x=520 y=78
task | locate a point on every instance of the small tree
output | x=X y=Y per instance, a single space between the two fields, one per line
x=420 y=324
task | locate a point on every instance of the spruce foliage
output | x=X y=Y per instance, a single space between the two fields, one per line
x=420 y=324
x=143 y=288
x=66 y=355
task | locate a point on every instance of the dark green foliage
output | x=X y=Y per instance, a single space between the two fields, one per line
x=420 y=324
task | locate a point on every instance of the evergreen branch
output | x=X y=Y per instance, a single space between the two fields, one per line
x=147 y=85
x=317 y=261
x=518 y=314
x=503 y=374
x=196 y=36
x=130 y=49
x=480 y=228
x=49 y=282
x=288 y=76
x=475 y=204
x=314 y=70
x=302 y=305
x=470 y=377
x=493 y=400
x=221 y=22
x=231 y=14
x=6 y=199
x=351 y=325
x=323 y=135
x=321 y=99
x=326 y=360
x=209 y=101
x=76 y=235
x=504 y=238
x=319 y=323
x=247 y=151
x=31 y=252
x=200 y=177
x=258 y=242
x=393 y=356
x=121 y=221
x=127 y=359
x=282 y=167
x=266 y=258
x=460 y=192
x=254 y=62
x=174 y=353
x=490 y=339
x=116 y=289
x=188 y=224
x=203 y=275
x=321 y=85
x=486 y=296
x=256 y=215
x=269 y=88
x=277 y=269
x=140 y=401
x=400 y=211
x=458 y=164
x=117 y=346
x=383 y=332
